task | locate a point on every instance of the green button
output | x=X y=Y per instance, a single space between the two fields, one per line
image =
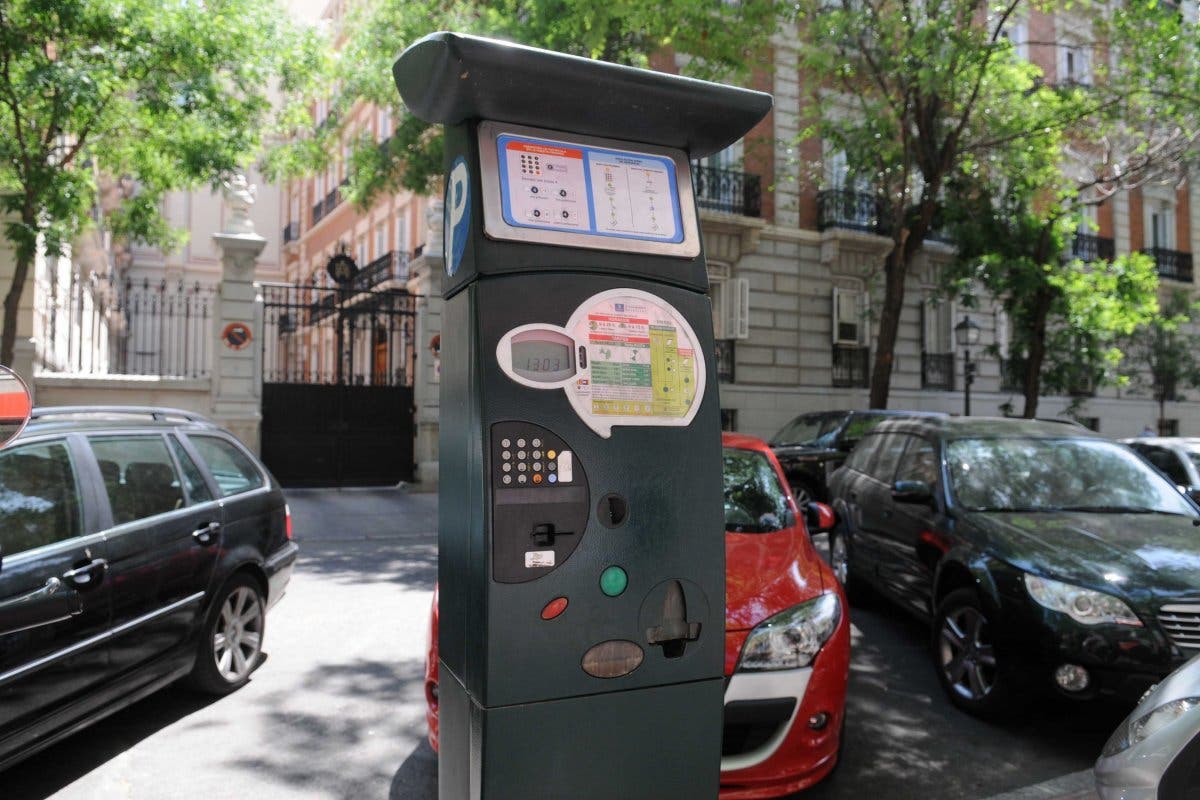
x=613 y=581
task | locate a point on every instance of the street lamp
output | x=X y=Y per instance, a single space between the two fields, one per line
x=966 y=333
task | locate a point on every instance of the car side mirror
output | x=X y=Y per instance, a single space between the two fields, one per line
x=819 y=518
x=912 y=492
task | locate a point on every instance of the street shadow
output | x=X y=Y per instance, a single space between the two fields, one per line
x=62 y=764
x=904 y=739
x=410 y=564
x=417 y=777
x=337 y=732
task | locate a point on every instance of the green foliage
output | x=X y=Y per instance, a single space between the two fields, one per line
x=1164 y=353
x=724 y=40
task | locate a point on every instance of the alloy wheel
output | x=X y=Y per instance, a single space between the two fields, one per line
x=237 y=641
x=802 y=496
x=839 y=558
x=967 y=657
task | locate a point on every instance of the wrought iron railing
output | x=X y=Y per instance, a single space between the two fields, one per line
x=851 y=365
x=727 y=190
x=1172 y=264
x=844 y=208
x=1087 y=247
x=103 y=326
x=318 y=211
x=391 y=266
x=937 y=371
x=1012 y=374
x=291 y=232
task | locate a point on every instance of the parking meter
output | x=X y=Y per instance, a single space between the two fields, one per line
x=581 y=546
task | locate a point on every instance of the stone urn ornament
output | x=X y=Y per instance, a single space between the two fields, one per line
x=239 y=198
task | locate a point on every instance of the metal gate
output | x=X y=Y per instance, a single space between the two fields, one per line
x=338 y=385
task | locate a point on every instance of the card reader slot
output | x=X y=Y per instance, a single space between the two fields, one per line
x=542 y=494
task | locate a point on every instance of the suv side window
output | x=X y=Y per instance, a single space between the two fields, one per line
x=1168 y=462
x=233 y=471
x=883 y=468
x=860 y=457
x=919 y=462
x=39 y=497
x=139 y=476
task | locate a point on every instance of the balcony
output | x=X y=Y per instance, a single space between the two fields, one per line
x=728 y=191
x=291 y=232
x=1012 y=374
x=1172 y=264
x=937 y=371
x=392 y=265
x=851 y=366
x=326 y=205
x=1087 y=247
x=844 y=208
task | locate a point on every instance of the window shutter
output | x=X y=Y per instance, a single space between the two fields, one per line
x=734 y=311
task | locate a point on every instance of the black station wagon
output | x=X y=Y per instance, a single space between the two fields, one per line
x=137 y=546
x=1043 y=554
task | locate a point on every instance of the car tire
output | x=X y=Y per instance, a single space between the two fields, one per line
x=803 y=492
x=970 y=667
x=230 y=646
x=840 y=560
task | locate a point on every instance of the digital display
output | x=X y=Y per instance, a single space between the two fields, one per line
x=545 y=360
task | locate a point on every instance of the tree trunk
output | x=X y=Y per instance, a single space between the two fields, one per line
x=12 y=306
x=1042 y=299
x=889 y=325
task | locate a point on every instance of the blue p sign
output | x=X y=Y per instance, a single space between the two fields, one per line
x=457 y=214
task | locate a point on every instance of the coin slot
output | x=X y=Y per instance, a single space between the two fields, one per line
x=612 y=510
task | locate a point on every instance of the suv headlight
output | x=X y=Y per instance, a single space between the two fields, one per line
x=791 y=639
x=1085 y=606
x=1133 y=731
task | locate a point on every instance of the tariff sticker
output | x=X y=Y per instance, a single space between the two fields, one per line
x=539 y=558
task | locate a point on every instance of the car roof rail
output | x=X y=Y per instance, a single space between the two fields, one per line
x=161 y=413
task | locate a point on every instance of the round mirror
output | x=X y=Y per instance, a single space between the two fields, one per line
x=15 y=405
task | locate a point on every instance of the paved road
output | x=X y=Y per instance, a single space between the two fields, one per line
x=337 y=709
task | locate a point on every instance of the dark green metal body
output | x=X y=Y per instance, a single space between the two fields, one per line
x=519 y=715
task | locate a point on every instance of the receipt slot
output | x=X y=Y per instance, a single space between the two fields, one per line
x=581 y=547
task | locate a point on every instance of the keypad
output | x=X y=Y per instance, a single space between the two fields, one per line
x=529 y=461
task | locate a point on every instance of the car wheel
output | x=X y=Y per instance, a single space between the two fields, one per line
x=969 y=665
x=231 y=641
x=803 y=493
x=840 y=562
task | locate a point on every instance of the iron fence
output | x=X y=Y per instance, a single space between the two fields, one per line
x=937 y=371
x=844 y=208
x=1172 y=264
x=102 y=326
x=1088 y=247
x=391 y=266
x=727 y=190
x=338 y=335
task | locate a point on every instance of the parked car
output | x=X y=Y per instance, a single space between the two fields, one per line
x=787 y=636
x=812 y=446
x=1155 y=752
x=138 y=546
x=1045 y=555
x=1176 y=457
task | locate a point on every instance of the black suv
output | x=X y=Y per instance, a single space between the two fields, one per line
x=1045 y=555
x=137 y=546
x=812 y=446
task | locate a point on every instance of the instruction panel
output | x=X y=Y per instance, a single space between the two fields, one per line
x=632 y=359
x=561 y=186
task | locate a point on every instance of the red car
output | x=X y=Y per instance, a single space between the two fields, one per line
x=787 y=636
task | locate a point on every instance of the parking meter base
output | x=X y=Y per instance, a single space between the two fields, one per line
x=572 y=748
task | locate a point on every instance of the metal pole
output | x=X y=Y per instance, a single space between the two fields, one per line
x=968 y=379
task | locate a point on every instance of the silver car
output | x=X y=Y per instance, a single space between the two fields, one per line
x=1155 y=753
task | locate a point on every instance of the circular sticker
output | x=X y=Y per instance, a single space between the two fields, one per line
x=237 y=335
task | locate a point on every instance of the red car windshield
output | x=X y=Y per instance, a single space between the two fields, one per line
x=754 y=500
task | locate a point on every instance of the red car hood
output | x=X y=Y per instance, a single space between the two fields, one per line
x=766 y=573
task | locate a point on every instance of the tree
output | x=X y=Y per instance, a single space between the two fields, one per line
x=1165 y=352
x=722 y=40
x=163 y=95
x=918 y=95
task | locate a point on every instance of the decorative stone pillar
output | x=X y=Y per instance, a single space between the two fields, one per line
x=237 y=359
x=425 y=283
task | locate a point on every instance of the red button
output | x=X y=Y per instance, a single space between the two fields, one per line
x=554 y=608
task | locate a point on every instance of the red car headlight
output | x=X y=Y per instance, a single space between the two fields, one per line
x=792 y=638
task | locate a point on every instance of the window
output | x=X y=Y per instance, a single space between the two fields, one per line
x=1076 y=65
x=361 y=252
x=233 y=471
x=1168 y=462
x=754 y=500
x=139 y=476
x=883 y=467
x=1002 y=334
x=861 y=456
x=731 y=308
x=385 y=123
x=919 y=463
x=937 y=323
x=729 y=419
x=1160 y=222
x=39 y=497
x=849 y=316
x=1016 y=33
x=193 y=480
x=402 y=245
x=380 y=239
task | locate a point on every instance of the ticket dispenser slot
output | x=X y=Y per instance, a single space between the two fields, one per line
x=539 y=502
